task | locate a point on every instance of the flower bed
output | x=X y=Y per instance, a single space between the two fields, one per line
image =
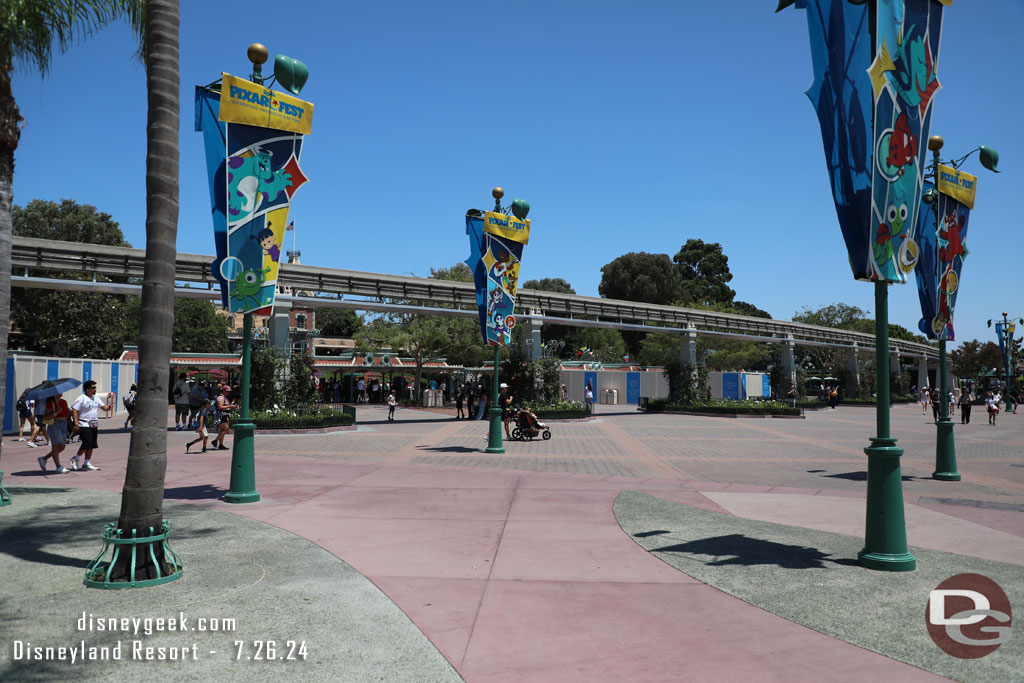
x=301 y=419
x=725 y=407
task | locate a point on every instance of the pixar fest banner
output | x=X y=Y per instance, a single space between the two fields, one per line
x=253 y=138
x=496 y=250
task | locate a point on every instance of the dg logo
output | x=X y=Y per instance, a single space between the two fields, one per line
x=968 y=616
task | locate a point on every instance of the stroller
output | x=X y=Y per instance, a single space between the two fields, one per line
x=528 y=427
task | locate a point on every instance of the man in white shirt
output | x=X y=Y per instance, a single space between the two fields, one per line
x=86 y=416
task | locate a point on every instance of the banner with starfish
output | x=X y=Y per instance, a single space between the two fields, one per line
x=904 y=83
x=253 y=174
x=872 y=91
x=943 y=251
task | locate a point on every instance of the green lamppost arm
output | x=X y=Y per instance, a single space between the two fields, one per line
x=243 y=452
x=885 y=537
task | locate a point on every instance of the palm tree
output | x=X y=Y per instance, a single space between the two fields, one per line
x=143 y=493
x=28 y=30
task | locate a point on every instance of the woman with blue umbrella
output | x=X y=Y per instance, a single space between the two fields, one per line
x=39 y=393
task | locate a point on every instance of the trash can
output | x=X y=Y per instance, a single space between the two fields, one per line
x=349 y=410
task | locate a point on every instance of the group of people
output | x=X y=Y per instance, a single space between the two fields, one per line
x=53 y=421
x=964 y=401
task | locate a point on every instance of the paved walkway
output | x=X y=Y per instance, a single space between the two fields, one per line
x=515 y=567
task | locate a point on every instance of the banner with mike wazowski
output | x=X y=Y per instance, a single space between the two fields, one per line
x=253 y=138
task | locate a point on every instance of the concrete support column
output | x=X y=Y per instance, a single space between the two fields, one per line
x=788 y=363
x=853 y=370
x=922 y=374
x=894 y=365
x=280 y=328
x=533 y=333
x=689 y=355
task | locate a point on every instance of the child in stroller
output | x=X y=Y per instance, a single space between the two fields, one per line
x=528 y=427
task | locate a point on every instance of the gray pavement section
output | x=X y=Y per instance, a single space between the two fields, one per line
x=812 y=578
x=277 y=586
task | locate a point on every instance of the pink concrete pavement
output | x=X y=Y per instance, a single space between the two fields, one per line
x=518 y=575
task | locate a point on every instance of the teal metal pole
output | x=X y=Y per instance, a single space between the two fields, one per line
x=243 y=452
x=885 y=535
x=945 y=446
x=494 y=441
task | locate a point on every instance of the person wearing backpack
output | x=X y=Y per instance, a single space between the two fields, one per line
x=129 y=405
x=181 y=398
x=25 y=414
x=202 y=422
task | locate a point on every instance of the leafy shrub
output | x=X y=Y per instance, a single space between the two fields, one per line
x=311 y=416
x=724 y=407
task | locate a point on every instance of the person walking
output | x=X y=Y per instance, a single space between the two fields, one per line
x=459 y=398
x=936 y=399
x=25 y=414
x=470 y=399
x=129 y=404
x=197 y=398
x=222 y=417
x=993 y=408
x=86 y=416
x=588 y=398
x=791 y=396
x=38 y=425
x=57 y=409
x=925 y=397
x=392 y=402
x=181 y=393
x=965 y=407
x=504 y=402
x=833 y=397
x=202 y=420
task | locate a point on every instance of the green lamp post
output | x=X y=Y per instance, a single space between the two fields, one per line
x=495 y=444
x=1005 y=338
x=945 y=443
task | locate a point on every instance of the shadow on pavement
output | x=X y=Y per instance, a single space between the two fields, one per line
x=448 y=449
x=743 y=550
x=197 y=492
x=863 y=476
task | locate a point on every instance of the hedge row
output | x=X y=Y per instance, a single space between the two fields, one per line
x=744 y=408
x=308 y=421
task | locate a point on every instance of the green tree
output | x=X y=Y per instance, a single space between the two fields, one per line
x=970 y=357
x=60 y=323
x=143 y=492
x=299 y=390
x=703 y=271
x=68 y=221
x=604 y=344
x=837 y=315
x=550 y=284
x=639 y=276
x=198 y=328
x=338 y=322
x=28 y=30
x=266 y=368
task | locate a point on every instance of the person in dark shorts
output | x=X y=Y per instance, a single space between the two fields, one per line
x=222 y=417
x=86 y=416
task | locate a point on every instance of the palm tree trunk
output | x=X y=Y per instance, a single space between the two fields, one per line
x=10 y=132
x=143 y=493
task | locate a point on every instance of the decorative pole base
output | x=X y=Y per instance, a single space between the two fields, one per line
x=885 y=539
x=243 y=466
x=131 y=555
x=945 y=452
x=5 y=497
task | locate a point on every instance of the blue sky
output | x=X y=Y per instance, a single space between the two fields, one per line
x=627 y=127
